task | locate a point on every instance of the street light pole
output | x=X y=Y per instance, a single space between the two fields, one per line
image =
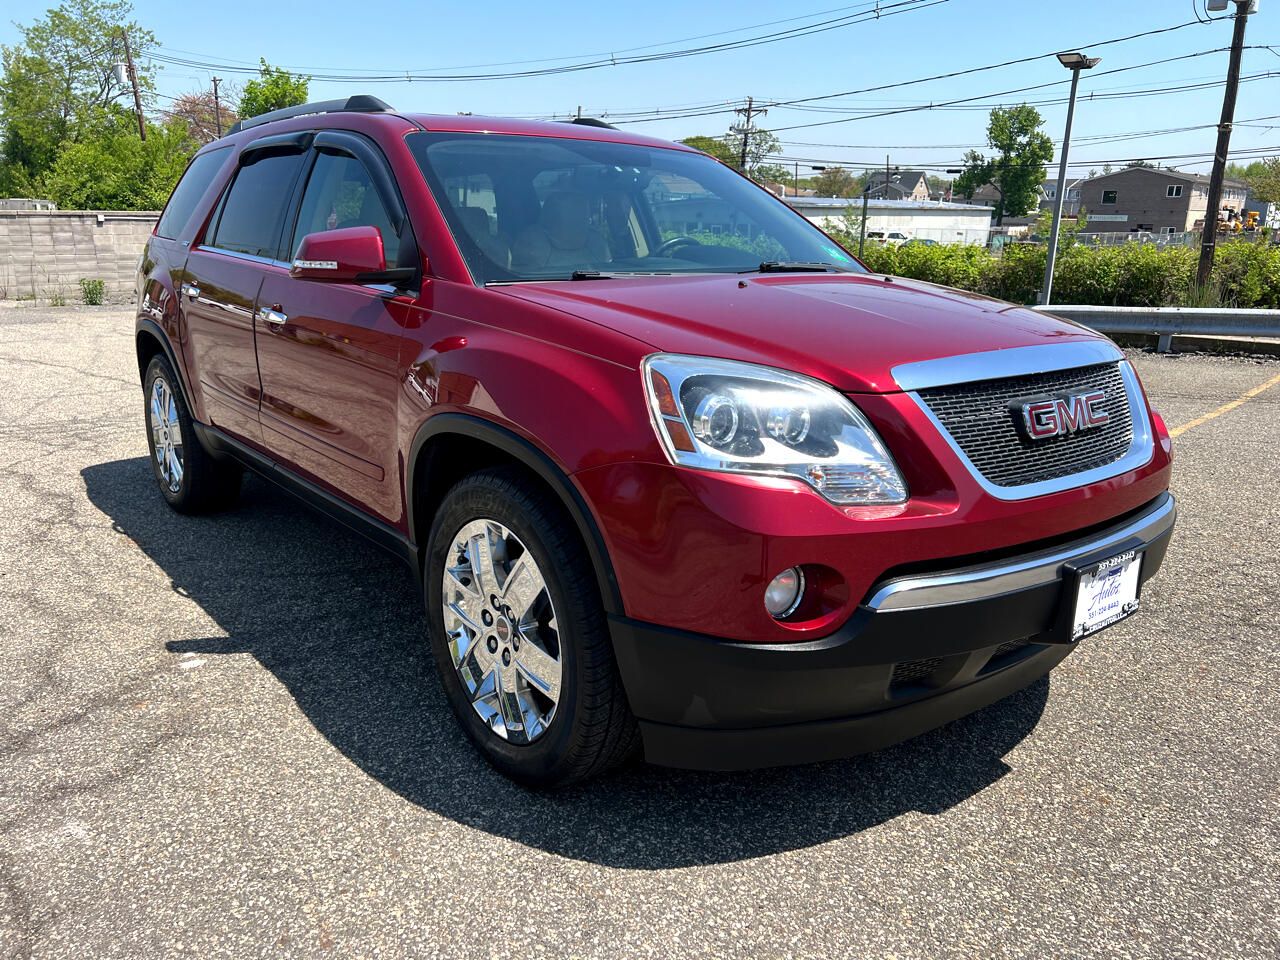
x=1075 y=62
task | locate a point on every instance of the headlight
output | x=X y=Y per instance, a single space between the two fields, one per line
x=739 y=417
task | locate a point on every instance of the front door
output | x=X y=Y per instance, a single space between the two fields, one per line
x=329 y=352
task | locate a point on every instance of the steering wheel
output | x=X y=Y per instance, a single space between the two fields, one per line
x=674 y=244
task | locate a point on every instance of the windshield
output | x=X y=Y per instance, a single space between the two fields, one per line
x=543 y=208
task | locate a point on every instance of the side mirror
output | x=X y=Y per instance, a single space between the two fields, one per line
x=349 y=255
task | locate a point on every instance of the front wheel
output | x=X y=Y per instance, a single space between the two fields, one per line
x=518 y=633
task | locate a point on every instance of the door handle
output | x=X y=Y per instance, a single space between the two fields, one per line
x=190 y=290
x=273 y=315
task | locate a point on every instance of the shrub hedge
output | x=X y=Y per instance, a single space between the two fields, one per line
x=1245 y=273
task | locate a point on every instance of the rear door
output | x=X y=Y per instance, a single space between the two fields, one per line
x=223 y=275
x=329 y=352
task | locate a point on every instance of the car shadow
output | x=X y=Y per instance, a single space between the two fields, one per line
x=340 y=624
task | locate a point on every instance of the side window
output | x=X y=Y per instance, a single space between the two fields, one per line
x=186 y=195
x=341 y=194
x=1108 y=196
x=1174 y=190
x=253 y=210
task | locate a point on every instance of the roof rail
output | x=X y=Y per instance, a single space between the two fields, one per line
x=361 y=103
x=590 y=122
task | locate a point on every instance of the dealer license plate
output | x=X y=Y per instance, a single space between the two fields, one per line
x=1108 y=593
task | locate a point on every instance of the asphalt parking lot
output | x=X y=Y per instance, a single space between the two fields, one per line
x=220 y=737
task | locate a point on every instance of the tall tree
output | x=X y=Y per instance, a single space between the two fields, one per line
x=1016 y=167
x=59 y=80
x=111 y=168
x=836 y=182
x=715 y=146
x=1263 y=178
x=274 y=89
x=196 y=111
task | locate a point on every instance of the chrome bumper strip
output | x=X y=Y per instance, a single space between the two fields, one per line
x=986 y=580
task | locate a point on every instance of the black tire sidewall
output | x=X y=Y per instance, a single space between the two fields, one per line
x=543 y=760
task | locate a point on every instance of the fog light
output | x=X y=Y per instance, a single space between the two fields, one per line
x=783 y=594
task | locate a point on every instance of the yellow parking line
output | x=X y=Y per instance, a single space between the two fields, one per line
x=1226 y=407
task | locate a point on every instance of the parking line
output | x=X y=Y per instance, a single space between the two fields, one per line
x=1226 y=407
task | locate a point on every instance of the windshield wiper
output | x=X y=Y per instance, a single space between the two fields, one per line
x=602 y=275
x=798 y=266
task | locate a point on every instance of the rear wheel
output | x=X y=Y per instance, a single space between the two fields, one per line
x=518 y=633
x=189 y=478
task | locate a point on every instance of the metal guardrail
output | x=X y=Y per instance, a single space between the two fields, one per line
x=1169 y=322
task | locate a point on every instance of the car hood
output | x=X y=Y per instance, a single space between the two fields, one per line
x=849 y=330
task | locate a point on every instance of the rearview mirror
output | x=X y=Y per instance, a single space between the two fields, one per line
x=349 y=255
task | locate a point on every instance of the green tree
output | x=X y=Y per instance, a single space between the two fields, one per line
x=836 y=182
x=715 y=146
x=59 y=79
x=773 y=173
x=1069 y=228
x=1262 y=176
x=274 y=89
x=1016 y=168
x=761 y=145
x=111 y=168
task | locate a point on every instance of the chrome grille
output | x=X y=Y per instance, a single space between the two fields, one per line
x=983 y=424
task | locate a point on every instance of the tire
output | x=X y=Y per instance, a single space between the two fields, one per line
x=505 y=705
x=189 y=478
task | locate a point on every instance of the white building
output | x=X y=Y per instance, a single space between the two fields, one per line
x=918 y=219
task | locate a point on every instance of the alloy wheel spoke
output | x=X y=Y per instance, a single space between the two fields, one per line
x=477 y=663
x=175 y=468
x=509 y=702
x=540 y=669
x=523 y=586
x=480 y=555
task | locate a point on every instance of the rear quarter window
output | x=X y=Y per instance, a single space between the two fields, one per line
x=189 y=191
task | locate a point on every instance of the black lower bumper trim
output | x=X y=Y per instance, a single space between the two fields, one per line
x=886 y=675
x=749 y=749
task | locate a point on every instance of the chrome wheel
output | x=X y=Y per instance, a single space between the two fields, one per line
x=501 y=631
x=166 y=434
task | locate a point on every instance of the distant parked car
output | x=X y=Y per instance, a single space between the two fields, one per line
x=893 y=239
x=918 y=242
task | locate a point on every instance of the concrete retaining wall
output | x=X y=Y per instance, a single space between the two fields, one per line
x=47 y=252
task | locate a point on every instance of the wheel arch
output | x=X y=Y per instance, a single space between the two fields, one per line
x=490 y=444
x=149 y=340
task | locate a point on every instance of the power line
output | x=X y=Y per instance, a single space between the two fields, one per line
x=881 y=11
x=1248 y=153
x=1004 y=93
x=707 y=111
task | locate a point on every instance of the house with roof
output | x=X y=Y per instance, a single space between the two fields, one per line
x=898 y=185
x=1155 y=200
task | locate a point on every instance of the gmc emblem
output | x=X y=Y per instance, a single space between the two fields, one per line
x=1058 y=416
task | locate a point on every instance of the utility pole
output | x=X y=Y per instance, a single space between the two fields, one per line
x=1209 y=237
x=862 y=227
x=1075 y=62
x=748 y=112
x=217 y=106
x=133 y=79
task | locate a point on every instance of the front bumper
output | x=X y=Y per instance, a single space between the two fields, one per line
x=920 y=651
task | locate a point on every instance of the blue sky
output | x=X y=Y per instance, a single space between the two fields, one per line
x=948 y=35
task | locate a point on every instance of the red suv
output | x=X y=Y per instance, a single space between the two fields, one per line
x=677 y=474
